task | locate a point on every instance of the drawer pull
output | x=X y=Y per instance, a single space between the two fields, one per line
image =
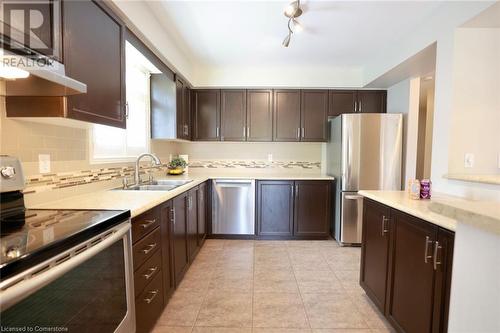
x=149 y=248
x=426 y=253
x=384 y=227
x=436 y=248
x=153 y=295
x=152 y=271
x=148 y=223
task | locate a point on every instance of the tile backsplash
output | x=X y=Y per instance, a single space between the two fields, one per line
x=249 y=164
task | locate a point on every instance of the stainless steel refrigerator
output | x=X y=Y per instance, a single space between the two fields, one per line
x=363 y=153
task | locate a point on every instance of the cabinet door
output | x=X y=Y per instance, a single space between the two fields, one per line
x=259 y=115
x=163 y=116
x=442 y=281
x=286 y=115
x=167 y=222
x=202 y=213
x=233 y=115
x=180 y=237
x=187 y=113
x=372 y=101
x=411 y=274
x=94 y=53
x=312 y=208
x=375 y=251
x=342 y=101
x=192 y=222
x=314 y=115
x=275 y=208
x=206 y=115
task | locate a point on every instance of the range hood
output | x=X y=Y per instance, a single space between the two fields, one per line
x=46 y=80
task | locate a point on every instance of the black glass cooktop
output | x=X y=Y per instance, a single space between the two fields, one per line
x=30 y=238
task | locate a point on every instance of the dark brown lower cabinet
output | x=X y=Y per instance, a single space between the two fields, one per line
x=312 y=208
x=293 y=209
x=192 y=223
x=275 y=208
x=375 y=251
x=166 y=226
x=416 y=262
x=202 y=213
x=179 y=237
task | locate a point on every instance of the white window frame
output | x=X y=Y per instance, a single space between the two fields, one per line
x=121 y=159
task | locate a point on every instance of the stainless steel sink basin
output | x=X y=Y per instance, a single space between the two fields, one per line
x=174 y=182
x=151 y=188
x=158 y=185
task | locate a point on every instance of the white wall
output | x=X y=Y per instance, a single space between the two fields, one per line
x=475 y=126
x=280 y=76
x=145 y=24
x=403 y=97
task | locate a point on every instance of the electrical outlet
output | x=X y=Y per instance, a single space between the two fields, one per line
x=269 y=157
x=468 y=160
x=44 y=163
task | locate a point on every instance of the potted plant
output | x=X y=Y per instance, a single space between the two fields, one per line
x=176 y=166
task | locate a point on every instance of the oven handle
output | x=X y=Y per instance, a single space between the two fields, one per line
x=30 y=284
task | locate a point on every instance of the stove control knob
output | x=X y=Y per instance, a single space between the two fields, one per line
x=8 y=172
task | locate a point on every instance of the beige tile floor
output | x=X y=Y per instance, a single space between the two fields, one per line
x=245 y=286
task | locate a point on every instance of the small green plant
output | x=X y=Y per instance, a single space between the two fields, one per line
x=177 y=163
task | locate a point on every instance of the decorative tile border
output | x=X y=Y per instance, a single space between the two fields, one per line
x=54 y=181
x=254 y=164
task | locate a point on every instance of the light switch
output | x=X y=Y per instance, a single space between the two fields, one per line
x=44 y=163
x=468 y=160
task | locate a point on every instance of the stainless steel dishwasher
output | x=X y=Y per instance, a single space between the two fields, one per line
x=233 y=207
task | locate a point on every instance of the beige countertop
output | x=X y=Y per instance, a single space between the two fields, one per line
x=141 y=201
x=443 y=210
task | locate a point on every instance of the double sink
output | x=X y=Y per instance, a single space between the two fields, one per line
x=158 y=185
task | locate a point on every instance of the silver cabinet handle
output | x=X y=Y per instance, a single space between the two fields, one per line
x=244 y=131
x=353 y=197
x=152 y=271
x=355 y=106
x=248 y=131
x=127 y=108
x=360 y=106
x=296 y=191
x=426 y=252
x=173 y=215
x=153 y=295
x=148 y=223
x=436 y=248
x=298 y=132
x=303 y=132
x=149 y=248
x=217 y=131
x=384 y=228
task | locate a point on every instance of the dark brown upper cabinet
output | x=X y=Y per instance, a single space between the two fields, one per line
x=259 y=115
x=312 y=208
x=286 y=115
x=356 y=101
x=94 y=53
x=372 y=101
x=314 y=115
x=342 y=101
x=233 y=125
x=183 y=107
x=206 y=109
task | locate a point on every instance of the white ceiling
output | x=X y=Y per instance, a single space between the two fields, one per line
x=249 y=33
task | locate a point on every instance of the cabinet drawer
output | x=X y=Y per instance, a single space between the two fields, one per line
x=144 y=223
x=146 y=247
x=149 y=305
x=147 y=272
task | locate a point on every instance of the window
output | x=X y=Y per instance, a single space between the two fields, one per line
x=111 y=144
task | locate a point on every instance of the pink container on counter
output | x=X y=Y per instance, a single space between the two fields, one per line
x=425 y=189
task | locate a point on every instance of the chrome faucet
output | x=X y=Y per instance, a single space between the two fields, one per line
x=155 y=159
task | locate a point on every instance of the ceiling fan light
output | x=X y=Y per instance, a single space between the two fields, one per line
x=286 y=41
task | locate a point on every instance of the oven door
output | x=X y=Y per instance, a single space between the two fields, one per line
x=88 y=288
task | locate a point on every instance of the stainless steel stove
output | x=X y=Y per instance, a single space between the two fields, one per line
x=68 y=270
